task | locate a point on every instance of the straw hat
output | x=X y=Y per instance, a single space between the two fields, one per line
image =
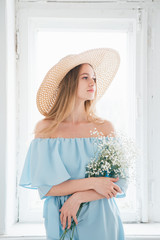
x=105 y=62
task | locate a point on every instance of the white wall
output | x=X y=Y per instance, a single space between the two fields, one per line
x=11 y=198
x=3 y=116
x=154 y=113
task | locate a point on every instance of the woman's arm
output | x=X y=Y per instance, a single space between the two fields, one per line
x=92 y=195
x=71 y=186
x=88 y=196
x=102 y=186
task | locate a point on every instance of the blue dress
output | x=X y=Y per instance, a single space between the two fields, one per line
x=50 y=161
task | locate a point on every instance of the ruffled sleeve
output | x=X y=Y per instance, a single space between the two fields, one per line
x=43 y=167
x=43 y=190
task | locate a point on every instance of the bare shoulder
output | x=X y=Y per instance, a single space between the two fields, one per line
x=40 y=125
x=108 y=128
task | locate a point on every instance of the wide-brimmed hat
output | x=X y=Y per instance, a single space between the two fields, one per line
x=105 y=62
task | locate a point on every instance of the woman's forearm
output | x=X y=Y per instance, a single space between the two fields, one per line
x=72 y=186
x=88 y=196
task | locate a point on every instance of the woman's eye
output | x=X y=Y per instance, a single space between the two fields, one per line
x=93 y=78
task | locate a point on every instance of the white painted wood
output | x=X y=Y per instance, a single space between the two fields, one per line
x=141 y=76
x=8 y=200
x=148 y=114
x=11 y=148
x=154 y=114
x=3 y=118
x=43 y=238
x=36 y=231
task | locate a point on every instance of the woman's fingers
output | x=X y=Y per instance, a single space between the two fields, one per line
x=117 y=188
x=75 y=219
x=107 y=195
x=115 y=193
x=111 y=194
x=64 y=218
x=61 y=217
x=69 y=222
x=64 y=221
x=114 y=179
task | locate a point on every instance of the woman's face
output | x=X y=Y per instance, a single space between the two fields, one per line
x=86 y=81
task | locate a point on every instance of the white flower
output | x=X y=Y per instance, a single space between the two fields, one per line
x=116 y=156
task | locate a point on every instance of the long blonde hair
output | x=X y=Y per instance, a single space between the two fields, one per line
x=65 y=102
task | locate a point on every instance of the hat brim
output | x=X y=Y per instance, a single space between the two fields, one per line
x=105 y=62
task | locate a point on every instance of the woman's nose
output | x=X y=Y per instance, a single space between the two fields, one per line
x=92 y=81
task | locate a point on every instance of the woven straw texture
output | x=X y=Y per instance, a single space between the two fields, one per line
x=105 y=62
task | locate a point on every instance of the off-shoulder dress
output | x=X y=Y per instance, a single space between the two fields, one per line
x=50 y=161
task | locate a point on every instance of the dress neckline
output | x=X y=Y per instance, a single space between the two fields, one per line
x=76 y=138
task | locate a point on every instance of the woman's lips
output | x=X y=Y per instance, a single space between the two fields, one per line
x=90 y=90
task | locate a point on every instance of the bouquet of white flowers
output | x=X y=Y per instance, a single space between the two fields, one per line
x=114 y=156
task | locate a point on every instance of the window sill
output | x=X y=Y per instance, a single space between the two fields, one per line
x=26 y=229
x=37 y=231
x=142 y=230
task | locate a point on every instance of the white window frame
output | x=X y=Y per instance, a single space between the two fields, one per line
x=30 y=19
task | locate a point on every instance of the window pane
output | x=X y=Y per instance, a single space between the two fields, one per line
x=117 y=104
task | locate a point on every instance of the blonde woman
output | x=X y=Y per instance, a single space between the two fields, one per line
x=63 y=145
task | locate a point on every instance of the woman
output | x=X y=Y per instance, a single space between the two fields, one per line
x=57 y=156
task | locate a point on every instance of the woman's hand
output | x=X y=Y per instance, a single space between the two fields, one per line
x=69 y=209
x=106 y=186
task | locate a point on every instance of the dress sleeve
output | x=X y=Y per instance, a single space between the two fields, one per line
x=43 y=190
x=43 y=167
